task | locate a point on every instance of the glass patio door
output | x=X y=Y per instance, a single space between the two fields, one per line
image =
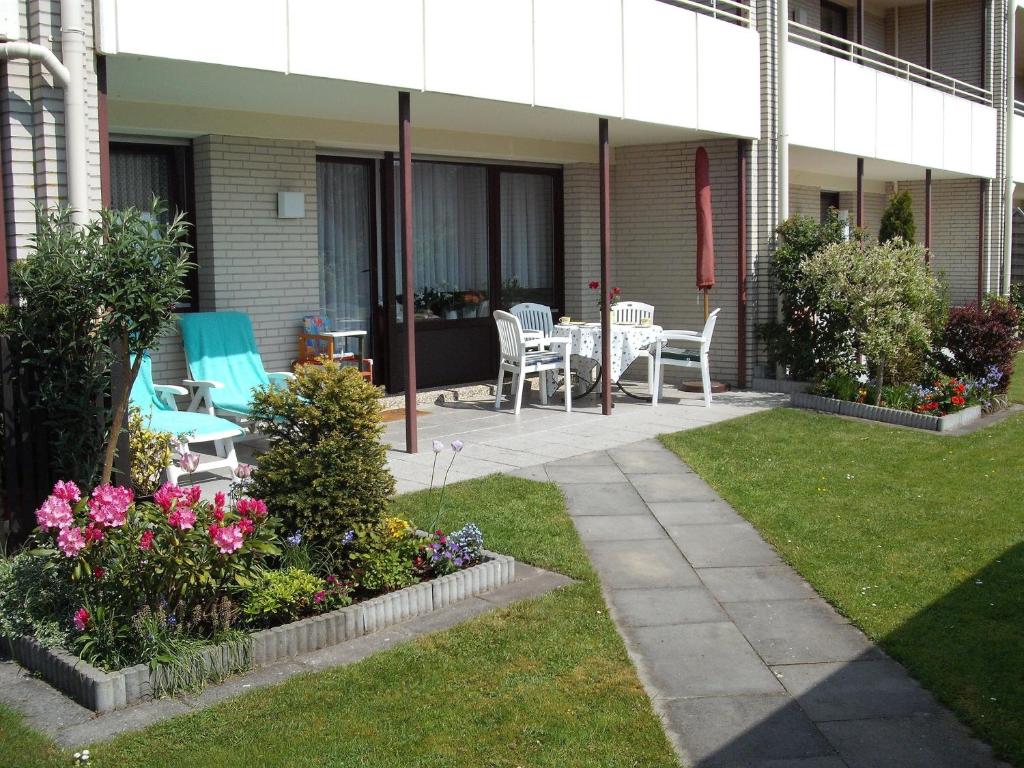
x=346 y=243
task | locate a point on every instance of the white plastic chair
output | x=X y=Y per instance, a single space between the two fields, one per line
x=631 y=312
x=535 y=319
x=683 y=358
x=521 y=356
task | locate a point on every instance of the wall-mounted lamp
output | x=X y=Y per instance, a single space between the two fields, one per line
x=291 y=205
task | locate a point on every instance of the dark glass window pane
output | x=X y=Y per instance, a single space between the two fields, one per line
x=343 y=233
x=527 y=238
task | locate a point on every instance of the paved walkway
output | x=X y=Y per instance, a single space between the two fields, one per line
x=746 y=665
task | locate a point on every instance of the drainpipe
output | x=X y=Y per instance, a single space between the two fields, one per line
x=1011 y=83
x=782 y=137
x=70 y=77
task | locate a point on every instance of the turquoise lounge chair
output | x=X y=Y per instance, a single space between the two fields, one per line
x=160 y=414
x=224 y=363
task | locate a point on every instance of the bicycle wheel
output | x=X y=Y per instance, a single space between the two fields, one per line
x=635 y=389
x=584 y=378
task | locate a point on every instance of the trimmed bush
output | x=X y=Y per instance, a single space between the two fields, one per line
x=981 y=338
x=326 y=471
x=898 y=219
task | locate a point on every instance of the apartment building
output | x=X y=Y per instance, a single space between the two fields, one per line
x=275 y=125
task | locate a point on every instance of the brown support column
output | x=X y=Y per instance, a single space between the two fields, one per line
x=606 y=271
x=860 y=192
x=408 y=307
x=860 y=23
x=982 y=189
x=927 y=215
x=104 y=126
x=741 y=264
x=929 y=26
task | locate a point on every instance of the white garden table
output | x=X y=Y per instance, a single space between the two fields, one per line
x=628 y=342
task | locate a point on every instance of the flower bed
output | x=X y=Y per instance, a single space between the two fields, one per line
x=904 y=418
x=106 y=691
x=114 y=599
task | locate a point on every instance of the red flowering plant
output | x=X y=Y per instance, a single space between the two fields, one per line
x=178 y=554
x=945 y=395
x=614 y=295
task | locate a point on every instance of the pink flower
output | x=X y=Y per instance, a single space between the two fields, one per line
x=228 y=539
x=71 y=541
x=81 y=619
x=166 y=495
x=67 y=491
x=189 y=461
x=192 y=495
x=183 y=518
x=254 y=507
x=219 y=499
x=93 y=532
x=246 y=525
x=55 y=512
x=98 y=572
x=243 y=471
x=146 y=540
x=319 y=597
x=109 y=504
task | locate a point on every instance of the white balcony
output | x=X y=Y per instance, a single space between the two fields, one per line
x=858 y=101
x=679 y=63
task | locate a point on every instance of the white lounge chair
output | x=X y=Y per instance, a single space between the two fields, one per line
x=521 y=356
x=680 y=357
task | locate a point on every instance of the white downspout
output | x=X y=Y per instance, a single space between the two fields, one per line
x=1011 y=88
x=782 y=139
x=70 y=76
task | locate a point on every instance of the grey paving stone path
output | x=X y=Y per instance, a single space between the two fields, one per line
x=746 y=665
x=72 y=725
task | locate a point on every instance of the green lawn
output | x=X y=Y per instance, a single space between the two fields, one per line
x=918 y=538
x=1016 y=391
x=544 y=682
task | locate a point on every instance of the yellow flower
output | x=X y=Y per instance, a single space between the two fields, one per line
x=396 y=527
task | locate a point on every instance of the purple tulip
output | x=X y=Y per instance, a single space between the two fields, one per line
x=189 y=461
x=438 y=446
x=456 y=445
x=243 y=471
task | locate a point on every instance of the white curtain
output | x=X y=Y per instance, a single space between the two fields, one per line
x=343 y=220
x=449 y=221
x=528 y=232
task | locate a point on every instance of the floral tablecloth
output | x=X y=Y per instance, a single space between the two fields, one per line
x=628 y=342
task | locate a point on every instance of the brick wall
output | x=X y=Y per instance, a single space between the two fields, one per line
x=654 y=238
x=250 y=260
x=955 y=212
x=804 y=201
x=959 y=38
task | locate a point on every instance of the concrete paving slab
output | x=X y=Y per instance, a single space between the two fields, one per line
x=714 y=546
x=121 y=721
x=757 y=582
x=537 y=473
x=618 y=528
x=603 y=499
x=800 y=632
x=920 y=741
x=563 y=474
x=659 y=607
x=710 y=659
x=721 y=732
x=672 y=487
x=592 y=459
x=646 y=462
x=694 y=513
x=855 y=690
x=636 y=564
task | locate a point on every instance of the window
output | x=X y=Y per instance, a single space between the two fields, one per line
x=140 y=172
x=450 y=241
x=834 y=20
x=345 y=241
x=527 y=238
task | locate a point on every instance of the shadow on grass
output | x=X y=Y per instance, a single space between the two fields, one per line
x=870 y=712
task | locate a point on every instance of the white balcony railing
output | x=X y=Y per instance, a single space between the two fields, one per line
x=727 y=10
x=884 y=62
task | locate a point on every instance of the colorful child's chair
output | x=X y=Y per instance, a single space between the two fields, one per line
x=318 y=342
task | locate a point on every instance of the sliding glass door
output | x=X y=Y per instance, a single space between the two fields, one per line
x=530 y=269
x=346 y=241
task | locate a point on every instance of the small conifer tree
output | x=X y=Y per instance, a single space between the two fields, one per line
x=898 y=219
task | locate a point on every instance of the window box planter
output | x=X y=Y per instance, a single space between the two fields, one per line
x=886 y=415
x=106 y=691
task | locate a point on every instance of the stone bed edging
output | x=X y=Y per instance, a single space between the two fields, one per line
x=106 y=691
x=887 y=415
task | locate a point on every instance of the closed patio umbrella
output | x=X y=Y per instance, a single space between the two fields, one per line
x=705 y=234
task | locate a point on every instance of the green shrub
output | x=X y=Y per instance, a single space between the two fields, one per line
x=898 y=219
x=326 y=469
x=383 y=557
x=885 y=293
x=810 y=345
x=150 y=451
x=279 y=597
x=37 y=598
